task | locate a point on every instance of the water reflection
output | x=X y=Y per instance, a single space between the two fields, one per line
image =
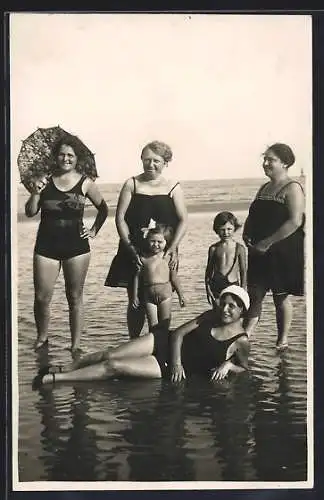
x=253 y=428
x=280 y=445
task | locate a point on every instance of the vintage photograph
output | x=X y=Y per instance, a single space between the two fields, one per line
x=161 y=198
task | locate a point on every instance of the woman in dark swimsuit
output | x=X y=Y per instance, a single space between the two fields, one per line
x=144 y=199
x=212 y=345
x=62 y=239
x=274 y=235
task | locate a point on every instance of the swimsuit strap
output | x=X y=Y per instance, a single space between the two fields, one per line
x=134 y=182
x=262 y=188
x=176 y=184
x=235 y=259
x=288 y=184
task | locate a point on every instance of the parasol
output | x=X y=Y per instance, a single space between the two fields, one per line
x=35 y=160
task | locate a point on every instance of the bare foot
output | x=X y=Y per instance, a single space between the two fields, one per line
x=40 y=343
x=282 y=345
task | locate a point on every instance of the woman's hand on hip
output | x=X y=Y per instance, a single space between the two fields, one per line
x=87 y=233
x=177 y=373
x=261 y=247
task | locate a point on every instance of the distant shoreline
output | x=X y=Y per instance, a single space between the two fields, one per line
x=192 y=208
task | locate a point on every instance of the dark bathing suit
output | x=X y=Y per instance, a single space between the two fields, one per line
x=58 y=235
x=200 y=352
x=219 y=281
x=141 y=210
x=281 y=268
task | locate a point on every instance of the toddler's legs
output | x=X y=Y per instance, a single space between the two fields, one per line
x=164 y=311
x=152 y=314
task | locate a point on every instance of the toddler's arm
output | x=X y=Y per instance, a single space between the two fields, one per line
x=176 y=284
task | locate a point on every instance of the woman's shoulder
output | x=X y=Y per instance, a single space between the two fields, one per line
x=211 y=316
x=292 y=187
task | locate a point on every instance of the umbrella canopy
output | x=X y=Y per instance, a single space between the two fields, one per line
x=35 y=159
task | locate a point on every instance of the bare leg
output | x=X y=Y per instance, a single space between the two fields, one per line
x=284 y=318
x=146 y=367
x=135 y=317
x=164 y=311
x=151 y=314
x=142 y=367
x=75 y=271
x=257 y=295
x=100 y=371
x=136 y=348
x=46 y=272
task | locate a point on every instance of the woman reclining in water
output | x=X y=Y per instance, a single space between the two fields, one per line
x=213 y=344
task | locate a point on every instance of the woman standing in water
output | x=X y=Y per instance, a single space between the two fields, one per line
x=274 y=235
x=62 y=239
x=147 y=197
x=212 y=345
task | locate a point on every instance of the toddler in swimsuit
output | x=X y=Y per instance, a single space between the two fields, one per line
x=155 y=281
x=226 y=263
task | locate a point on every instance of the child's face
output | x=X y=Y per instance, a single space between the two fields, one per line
x=226 y=231
x=156 y=242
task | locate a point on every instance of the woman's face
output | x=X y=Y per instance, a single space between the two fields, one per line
x=66 y=158
x=230 y=310
x=272 y=164
x=153 y=164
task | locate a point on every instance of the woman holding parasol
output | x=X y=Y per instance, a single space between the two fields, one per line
x=62 y=239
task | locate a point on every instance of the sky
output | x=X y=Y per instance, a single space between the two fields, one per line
x=217 y=88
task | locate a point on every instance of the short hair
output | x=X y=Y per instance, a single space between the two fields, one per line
x=71 y=141
x=160 y=148
x=283 y=152
x=167 y=232
x=224 y=217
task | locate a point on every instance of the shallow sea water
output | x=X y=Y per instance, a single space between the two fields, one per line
x=250 y=428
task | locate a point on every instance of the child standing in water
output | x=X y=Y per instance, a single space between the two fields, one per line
x=226 y=263
x=154 y=280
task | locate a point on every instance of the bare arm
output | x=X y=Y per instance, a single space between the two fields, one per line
x=176 y=283
x=32 y=205
x=242 y=266
x=246 y=231
x=136 y=284
x=295 y=202
x=181 y=211
x=209 y=273
x=124 y=199
x=92 y=192
x=237 y=359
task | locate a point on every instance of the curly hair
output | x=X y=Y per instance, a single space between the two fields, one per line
x=160 y=148
x=224 y=217
x=283 y=152
x=71 y=141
